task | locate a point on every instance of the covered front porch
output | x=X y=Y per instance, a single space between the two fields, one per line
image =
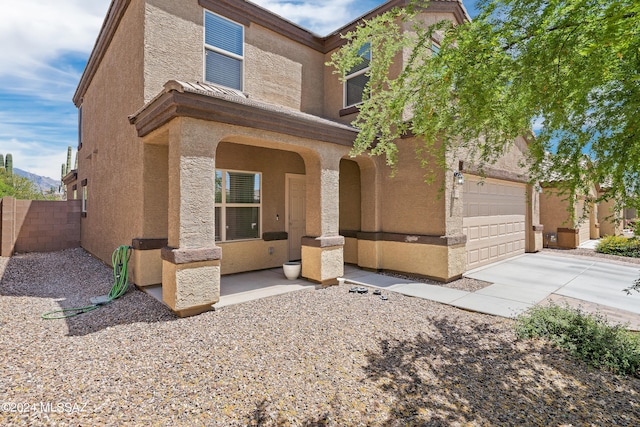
x=235 y=186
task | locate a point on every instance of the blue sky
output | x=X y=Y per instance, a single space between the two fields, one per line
x=44 y=46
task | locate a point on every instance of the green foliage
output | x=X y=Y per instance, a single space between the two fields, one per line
x=18 y=187
x=619 y=245
x=570 y=65
x=589 y=337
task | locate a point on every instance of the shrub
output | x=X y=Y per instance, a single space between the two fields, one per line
x=587 y=336
x=619 y=245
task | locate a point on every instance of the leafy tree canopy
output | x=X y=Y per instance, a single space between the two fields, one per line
x=570 y=66
x=19 y=187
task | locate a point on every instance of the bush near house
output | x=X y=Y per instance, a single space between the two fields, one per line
x=588 y=337
x=619 y=245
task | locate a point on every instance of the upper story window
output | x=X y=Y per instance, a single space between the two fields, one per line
x=223 y=50
x=435 y=49
x=357 y=79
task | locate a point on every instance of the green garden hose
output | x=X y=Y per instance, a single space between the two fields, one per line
x=120 y=261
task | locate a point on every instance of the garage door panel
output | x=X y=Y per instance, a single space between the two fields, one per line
x=494 y=221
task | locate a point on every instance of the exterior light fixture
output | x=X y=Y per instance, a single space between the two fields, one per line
x=458 y=177
x=538 y=188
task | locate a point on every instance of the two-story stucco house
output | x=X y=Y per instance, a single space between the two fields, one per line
x=214 y=140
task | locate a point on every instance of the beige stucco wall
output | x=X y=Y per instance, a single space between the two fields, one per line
x=553 y=211
x=173 y=42
x=428 y=260
x=252 y=255
x=111 y=154
x=281 y=71
x=611 y=221
x=277 y=70
x=350 y=191
x=554 y=215
x=410 y=205
x=351 y=250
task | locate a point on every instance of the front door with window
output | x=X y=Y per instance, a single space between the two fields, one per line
x=296 y=213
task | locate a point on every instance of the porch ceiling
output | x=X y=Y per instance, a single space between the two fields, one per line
x=209 y=102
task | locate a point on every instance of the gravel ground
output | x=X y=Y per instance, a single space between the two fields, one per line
x=464 y=284
x=313 y=357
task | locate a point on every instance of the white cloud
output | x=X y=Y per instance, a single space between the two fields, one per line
x=35 y=32
x=35 y=157
x=319 y=16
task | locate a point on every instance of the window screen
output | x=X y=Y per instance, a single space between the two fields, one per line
x=224 y=51
x=238 y=205
x=357 y=79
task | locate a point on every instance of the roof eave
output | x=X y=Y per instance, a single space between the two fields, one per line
x=174 y=103
x=111 y=22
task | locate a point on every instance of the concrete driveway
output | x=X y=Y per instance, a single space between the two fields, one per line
x=519 y=283
x=533 y=278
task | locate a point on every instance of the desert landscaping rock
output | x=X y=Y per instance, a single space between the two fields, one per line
x=323 y=357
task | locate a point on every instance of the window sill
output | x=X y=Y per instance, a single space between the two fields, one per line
x=257 y=239
x=349 y=110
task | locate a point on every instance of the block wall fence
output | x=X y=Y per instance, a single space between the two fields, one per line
x=38 y=225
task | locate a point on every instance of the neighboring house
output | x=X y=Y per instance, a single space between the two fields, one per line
x=611 y=219
x=569 y=227
x=214 y=140
x=630 y=216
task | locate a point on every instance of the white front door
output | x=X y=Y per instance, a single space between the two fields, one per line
x=295 y=214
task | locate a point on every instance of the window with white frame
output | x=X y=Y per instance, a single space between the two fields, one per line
x=85 y=195
x=223 y=50
x=357 y=78
x=238 y=205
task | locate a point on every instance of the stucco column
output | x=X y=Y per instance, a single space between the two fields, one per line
x=146 y=261
x=322 y=247
x=534 y=236
x=7 y=226
x=191 y=262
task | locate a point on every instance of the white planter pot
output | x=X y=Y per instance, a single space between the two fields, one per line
x=292 y=270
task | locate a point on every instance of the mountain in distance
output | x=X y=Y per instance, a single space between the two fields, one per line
x=42 y=182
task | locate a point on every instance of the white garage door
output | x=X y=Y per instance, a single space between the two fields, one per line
x=585 y=232
x=494 y=220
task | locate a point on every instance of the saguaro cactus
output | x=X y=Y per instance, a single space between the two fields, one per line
x=68 y=159
x=8 y=164
x=1 y=163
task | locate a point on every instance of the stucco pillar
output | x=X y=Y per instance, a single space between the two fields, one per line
x=322 y=247
x=534 y=238
x=594 y=226
x=7 y=226
x=191 y=261
x=146 y=261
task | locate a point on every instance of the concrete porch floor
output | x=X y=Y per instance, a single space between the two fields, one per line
x=517 y=284
x=243 y=287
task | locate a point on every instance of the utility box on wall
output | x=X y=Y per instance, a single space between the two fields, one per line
x=550 y=240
